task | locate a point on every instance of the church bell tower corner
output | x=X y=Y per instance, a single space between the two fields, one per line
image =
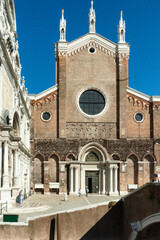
x=123 y=50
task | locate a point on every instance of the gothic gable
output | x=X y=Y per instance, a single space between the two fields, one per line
x=86 y=41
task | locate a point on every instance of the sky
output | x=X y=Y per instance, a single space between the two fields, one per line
x=38 y=30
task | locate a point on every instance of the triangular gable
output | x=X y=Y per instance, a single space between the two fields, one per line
x=89 y=40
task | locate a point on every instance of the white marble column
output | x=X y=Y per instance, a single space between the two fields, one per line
x=111 y=180
x=115 y=179
x=5 y=164
x=76 y=180
x=83 y=190
x=100 y=180
x=104 y=181
x=15 y=170
x=71 y=179
x=0 y=164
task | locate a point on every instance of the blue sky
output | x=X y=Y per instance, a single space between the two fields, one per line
x=38 y=30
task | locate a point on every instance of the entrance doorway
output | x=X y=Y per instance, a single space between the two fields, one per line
x=92 y=181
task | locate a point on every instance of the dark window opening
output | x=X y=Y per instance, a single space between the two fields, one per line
x=139 y=117
x=46 y=116
x=92 y=50
x=92 y=102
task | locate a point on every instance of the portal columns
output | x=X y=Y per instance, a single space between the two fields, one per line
x=73 y=179
x=76 y=179
x=113 y=180
x=104 y=180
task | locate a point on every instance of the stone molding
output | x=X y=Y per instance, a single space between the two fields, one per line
x=89 y=40
x=93 y=146
x=140 y=225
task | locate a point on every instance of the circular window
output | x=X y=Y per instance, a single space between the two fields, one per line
x=92 y=102
x=92 y=50
x=46 y=116
x=138 y=117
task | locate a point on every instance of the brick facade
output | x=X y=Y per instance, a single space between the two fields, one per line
x=118 y=140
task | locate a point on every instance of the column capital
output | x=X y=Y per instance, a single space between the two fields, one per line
x=115 y=167
x=71 y=166
x=111 y=166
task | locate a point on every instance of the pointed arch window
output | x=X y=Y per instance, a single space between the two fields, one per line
x=62 y=34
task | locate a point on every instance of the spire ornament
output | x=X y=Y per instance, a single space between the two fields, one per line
x=91 y=4
x=121 y=29
x=92 y=19
x=62 y=28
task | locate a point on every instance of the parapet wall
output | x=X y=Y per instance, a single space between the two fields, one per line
x=140 y=204
x=69 y=225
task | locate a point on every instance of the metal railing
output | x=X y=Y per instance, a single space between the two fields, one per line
x=3 y=207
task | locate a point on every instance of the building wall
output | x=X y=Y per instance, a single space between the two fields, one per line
x=44 y=129
x=84 y=71
x=80 y=72
x=129 y=150
x=14 y=112
x=134 y=167
x=7 y=90
x=142 y=129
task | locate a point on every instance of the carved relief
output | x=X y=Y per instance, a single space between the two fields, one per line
x=91 y=130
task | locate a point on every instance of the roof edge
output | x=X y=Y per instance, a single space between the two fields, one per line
x=44 y=93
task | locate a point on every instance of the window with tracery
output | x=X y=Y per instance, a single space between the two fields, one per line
x=92 y=157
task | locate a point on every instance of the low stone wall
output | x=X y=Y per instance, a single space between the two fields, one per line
x=68 y=225
x=140 y=204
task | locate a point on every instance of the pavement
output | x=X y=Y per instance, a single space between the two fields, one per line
x=38 y=204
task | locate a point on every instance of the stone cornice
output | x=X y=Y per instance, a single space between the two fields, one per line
x=24 y=149
x=138 y=94
x=10 y=17
x=80 y=44
x=154 y=99
x=123 y=50
x=92 y=39
x=95 y=38
x=43 y=94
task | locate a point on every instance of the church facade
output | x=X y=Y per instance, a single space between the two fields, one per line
x=14 y=111
x=91 y=130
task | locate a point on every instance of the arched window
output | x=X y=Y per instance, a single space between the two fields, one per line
x=38 y=169
x=92 y=157
x=62 y=34
x=115 y=157
x=16 y=131
x=71 y=157
x=148 y=167
x=54 y=168
x=92 y=21
x=132 y=169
